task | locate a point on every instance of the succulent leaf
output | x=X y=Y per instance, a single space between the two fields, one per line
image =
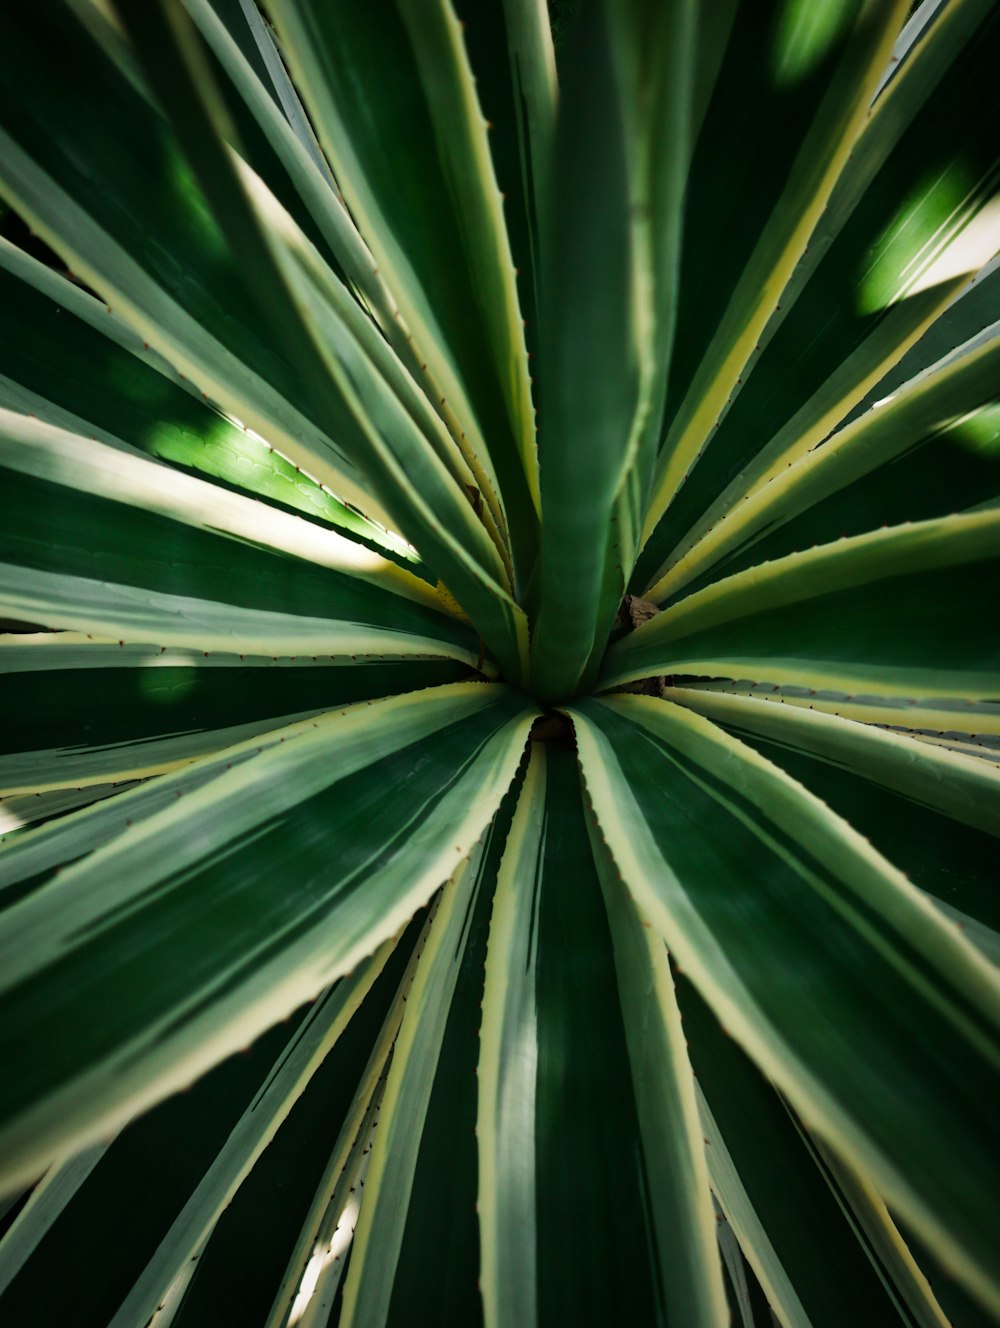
x=500 y=772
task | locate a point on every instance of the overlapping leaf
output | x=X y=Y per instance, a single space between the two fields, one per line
x=732 y=943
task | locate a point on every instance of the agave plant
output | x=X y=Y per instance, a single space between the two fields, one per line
x=501 y=695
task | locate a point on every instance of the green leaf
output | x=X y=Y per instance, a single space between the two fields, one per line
x=138 y=1181
x=439 y=513
x=316 y=1036
x=718 y=935
x=415 y=169
x=875 y=1225
x=932 y=811
x=318 y=318
x=874 y=1018
x=850 y=616
x=792 y=1230
x=323 y=1240
x=967 y=725
x=165 y=1194
x=438 y=1273
x=556 y=1034
x=60 y=348
x=384 y=1212
x=19 y=811
x=47 y=1202
x=943 y=428
x=621 y=137
x=333 y=225
x=84 y=712
x=781 y=73
x=535 y=91
x=912 y=215
x=133 y=223
x=167 y=558
x=664 y=1085
x=245 y=49
x=960 y=325
x=959 y=786
x=256 y=41
x=30 y=860
x=289 y=909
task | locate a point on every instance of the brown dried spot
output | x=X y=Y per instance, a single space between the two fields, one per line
x=635 y=611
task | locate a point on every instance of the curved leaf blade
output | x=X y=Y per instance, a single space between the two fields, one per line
x=203 y=969
x=833 y=972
